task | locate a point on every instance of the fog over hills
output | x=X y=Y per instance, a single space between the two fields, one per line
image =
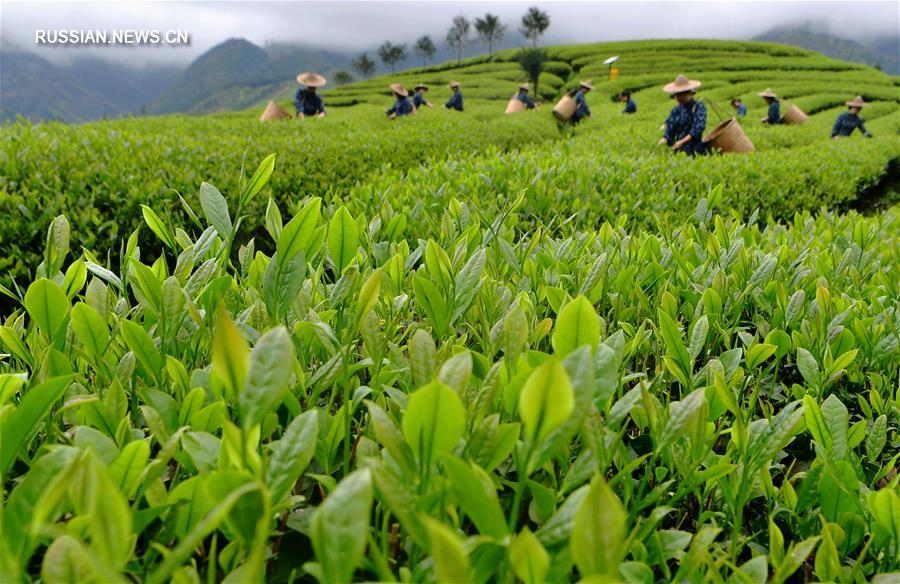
x=236 y=73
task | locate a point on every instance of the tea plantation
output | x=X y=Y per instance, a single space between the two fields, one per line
x=458 y=347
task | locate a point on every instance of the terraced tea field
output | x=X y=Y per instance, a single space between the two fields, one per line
x=458 y=347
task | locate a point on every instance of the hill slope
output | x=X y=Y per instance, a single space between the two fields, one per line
x=237 y=73
x=85 y=89
x=483 y=349
x=883 y=52
x=36 y=89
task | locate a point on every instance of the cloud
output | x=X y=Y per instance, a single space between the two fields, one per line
x=355 y=26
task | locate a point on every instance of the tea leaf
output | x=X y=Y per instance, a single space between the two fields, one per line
x=267 y=377
x=576 y=325
x=215 y=208
x=343 y=237
x=434 y=421
x=230 y=354
x=339 y=525
x=20 y=425
x=47 y=304
x=258 y=180
x=450 y=558
x=529 y=560
x=292 y=454
x=546 y=401
x=599 y=532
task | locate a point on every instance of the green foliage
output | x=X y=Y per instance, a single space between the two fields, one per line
x=473 y=371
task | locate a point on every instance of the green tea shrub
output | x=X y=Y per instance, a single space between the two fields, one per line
x=492 y=401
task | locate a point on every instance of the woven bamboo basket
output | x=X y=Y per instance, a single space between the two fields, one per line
x=515 y=106
x=729 y=137
x=565 y=108
x=274 y=112
x=794 y=116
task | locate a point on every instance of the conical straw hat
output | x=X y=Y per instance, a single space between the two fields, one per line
x=421 y=86
x=311 y=79
x=857 y=102
x=399 y=89
x=454 y=84
x=273 y=112
x=586 y=83
x=681 y=84
x=525 y=86
x=768 y=93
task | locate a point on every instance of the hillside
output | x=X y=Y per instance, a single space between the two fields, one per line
x=883 y=52
x=129 y=88
x=36 y=89
x=82 y=90
x=459 y=347
x=728 y=67
x=236 y=73
x=817 y=84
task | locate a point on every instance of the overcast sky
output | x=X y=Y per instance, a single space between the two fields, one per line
x=354 y=26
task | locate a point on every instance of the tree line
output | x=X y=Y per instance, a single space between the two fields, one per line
x=488 y=30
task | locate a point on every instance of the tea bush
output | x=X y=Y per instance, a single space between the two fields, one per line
x=101 y=173
x=497 y=401
x=457 y=348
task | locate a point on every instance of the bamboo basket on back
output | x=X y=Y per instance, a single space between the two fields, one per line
x=794 y=116
x=729 y=137
x=515 y=105
x=565 y=108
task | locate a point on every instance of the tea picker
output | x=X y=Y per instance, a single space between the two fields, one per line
x=850 y=120
x=686 y=122
x=774 y=114
x=520 y=101
x=402 y=106
x=307 y=101
x=573 y=107
x=419 y=98
x=630 y=106
x=456 y=100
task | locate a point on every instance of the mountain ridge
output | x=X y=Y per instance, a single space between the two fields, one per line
x=881 y=52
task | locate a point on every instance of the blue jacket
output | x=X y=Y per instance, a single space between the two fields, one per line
x=455 y=102
x=684 y=120
x=401 y=107
x=581 y=110
x=418 y=100
x=309 y=104
x=523 y=97
x=741 y=110
x=846 y=123
x=630 y=107
x=774 y=113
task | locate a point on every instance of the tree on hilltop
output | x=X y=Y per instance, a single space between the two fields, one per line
x=364 y=66
x=392 y=55
x=490 y=30
x=534 y=23
x=458 y=35
x=425 y=48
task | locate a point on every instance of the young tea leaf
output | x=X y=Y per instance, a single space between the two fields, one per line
x=547 y=400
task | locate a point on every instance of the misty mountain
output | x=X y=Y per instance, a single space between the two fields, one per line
x=36 y=89
x=237 y=73
x=231 y=75
x=883 y=52
x=85 y=89
x=128 y=88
